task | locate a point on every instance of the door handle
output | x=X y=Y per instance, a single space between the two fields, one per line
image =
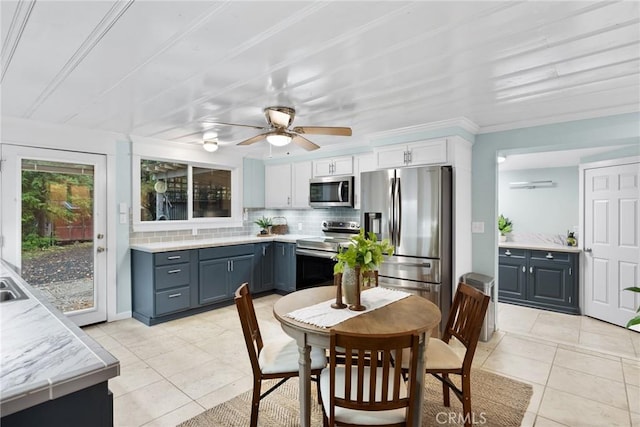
x=174 y=271
x=531 y=270
x=100 y=249
x=264 y=251
x=524 y=269
x=549 y=256
x=398 y=211
x=588 y=250
x=100 y=236
x=507 y=252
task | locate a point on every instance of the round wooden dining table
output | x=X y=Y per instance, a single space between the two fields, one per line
x=413 y=313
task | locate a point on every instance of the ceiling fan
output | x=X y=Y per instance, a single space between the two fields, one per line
x=279 y=133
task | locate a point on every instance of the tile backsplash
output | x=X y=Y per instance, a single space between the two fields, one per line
x=307 y=222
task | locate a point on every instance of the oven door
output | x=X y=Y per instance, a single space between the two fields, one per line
x=313 y=268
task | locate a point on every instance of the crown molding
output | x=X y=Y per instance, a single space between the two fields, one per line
x=460 y=122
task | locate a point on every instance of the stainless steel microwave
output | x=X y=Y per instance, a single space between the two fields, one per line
x=331 y=191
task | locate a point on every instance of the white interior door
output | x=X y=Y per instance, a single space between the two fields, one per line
x=611 y=242
x=54 y=226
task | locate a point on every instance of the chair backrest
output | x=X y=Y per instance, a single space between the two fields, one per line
x=370 y=372
x=465 y=318
x=249 y=322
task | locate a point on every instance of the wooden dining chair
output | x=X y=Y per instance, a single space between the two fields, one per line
x=273 y=359
x=464 y=323
x=367 y=389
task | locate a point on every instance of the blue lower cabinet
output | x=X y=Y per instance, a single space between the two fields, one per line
x=220 y=277
x=173 y=284
x=285 y=266
x=540 y=279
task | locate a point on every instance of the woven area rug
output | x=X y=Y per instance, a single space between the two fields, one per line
x=496 y=401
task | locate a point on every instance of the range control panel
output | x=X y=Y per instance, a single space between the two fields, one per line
x=341 y=226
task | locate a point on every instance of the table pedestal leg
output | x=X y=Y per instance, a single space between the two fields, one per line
x=304 y=363
x=417 y=420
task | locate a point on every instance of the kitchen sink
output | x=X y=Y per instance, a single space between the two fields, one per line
x=9 y=291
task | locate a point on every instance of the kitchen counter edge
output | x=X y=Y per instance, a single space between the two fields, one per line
x=25 y=396
x=539 y=247
x=208 y=243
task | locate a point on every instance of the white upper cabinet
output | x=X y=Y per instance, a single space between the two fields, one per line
x=277 y=186
x=300 y=184
x=362 y=163
x=334 y=166
x=431 y=152
x=287 y=185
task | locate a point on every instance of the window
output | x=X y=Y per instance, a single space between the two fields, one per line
x=163 y=191
x=211 y=193
x=178 y=195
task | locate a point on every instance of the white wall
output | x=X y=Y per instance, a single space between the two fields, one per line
x=552 y=210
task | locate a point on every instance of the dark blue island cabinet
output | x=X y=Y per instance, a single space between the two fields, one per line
x=539 y=279
x=285 y=266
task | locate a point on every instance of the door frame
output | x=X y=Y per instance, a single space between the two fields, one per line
x=583 y=167
x=106 y=308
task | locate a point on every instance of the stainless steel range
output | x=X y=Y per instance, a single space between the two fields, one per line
x=314 y=255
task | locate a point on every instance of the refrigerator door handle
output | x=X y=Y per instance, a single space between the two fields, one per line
x=392 y=192
x=398 y=211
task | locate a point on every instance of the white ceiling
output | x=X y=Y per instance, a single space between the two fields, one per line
x=162 y=69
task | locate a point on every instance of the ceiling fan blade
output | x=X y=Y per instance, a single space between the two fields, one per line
x=304 y=143
x=253 y=139
x=236 y=124
x=323 y=130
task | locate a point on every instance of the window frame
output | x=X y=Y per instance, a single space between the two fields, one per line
x=195 y=224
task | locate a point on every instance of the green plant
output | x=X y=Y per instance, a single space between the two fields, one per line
x=263 y=222
x=364 y=251
x=636 y=319
x=504 y=225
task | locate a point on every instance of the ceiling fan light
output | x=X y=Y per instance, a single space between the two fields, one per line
x=278 y=139
x=210 y=146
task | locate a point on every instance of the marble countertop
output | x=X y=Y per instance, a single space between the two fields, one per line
x=44 y=354
x=220 y=241
x=540 y=246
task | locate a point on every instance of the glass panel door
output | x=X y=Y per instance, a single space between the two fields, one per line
x=61 y=231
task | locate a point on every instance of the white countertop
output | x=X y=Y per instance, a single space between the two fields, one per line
x=220 y=241
x=540 y=247
x=44 y=355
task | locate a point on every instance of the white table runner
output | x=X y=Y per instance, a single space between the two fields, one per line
x=324 y=316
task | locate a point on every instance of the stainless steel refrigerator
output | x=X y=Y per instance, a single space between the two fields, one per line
x=412 y=207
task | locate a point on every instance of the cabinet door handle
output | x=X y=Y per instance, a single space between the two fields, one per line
x=549 y=255
x=174 y=271
x=264 y=251
x=175 y=295
x=531 y=270
x=524 y=269
x=228 y=265
x=410 y=156
x=507 y=252
x=174 y=257
x=231 y=265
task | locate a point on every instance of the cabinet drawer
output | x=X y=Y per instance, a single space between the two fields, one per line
x=225 y=251
x=550 y=256
x=511 y=253
x=170 y=276
x=173 y=257
x=173 y=300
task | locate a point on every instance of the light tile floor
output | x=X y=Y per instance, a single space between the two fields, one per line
x=584 y=372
